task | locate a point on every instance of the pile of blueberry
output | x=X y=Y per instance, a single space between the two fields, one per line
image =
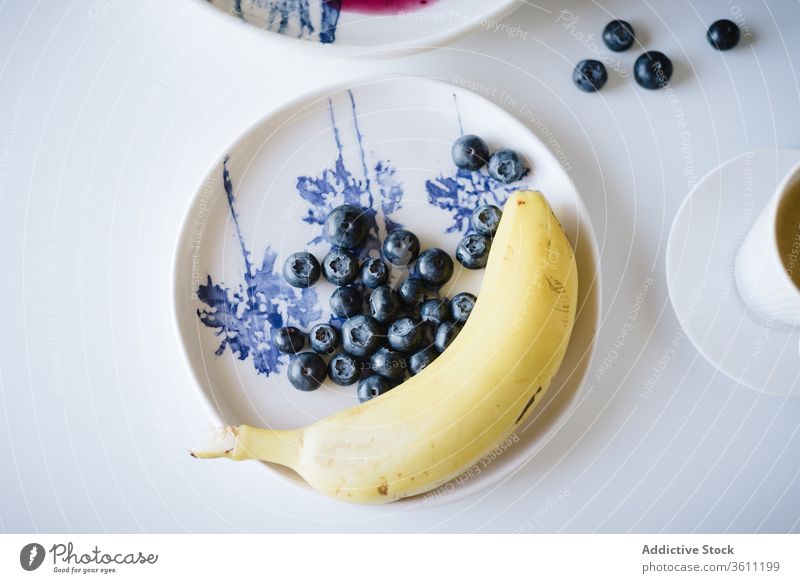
x=652 y=69
x=403 y=330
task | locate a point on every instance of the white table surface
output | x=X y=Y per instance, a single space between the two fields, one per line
x=107 y=125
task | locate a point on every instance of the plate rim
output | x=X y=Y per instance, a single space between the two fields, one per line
x=377 y=51
x=472 y=487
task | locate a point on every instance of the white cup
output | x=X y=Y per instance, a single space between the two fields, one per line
x=761 y=276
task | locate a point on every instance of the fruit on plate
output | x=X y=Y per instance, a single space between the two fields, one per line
x=506 y=166
x=346 y=302
x=443 y=420
x=470 y=152
x=485 y=219
x=401 y=247
x=346 y=226
x=473 y=251
x=301 y=269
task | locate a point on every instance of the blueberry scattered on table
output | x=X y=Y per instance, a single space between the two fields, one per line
x=723 y=35
x=340 y=267
x=344 y=370
x=618 y=35
x=445 y=334
x=384 y=303
x=401 y=247
x=289 y=340
x=346 y=226
x=307 y=371
x=434 y=267
x=589 y=75
x=389 y=364
x=652 y=70
x=373 y=386
x=485 y=220
x=435 y=311
x=470 y=152
x=301 y=269
x=323 y=339
x=506 y=166
x=361 y=335
x=404 y=334
x=461 y=307
x=413 y=292
x=419 y=360
x=346 y=302
x=473 y=251
x=374 y=273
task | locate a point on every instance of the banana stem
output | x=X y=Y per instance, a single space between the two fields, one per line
x=244 y=442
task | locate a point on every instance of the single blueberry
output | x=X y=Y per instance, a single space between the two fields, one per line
x=340 y=267
x=301 y=269
x=723 y=35
x=435 y=267
x=389 y=364
x=346 y=302
x=289 y=340
x=404 y=334
x=506 y=166
x=373 y=386
x=346 y=226
x=323 y=339
x=652 y=70
x=307 y=371
x=618 y=35
x=401 y=247
x=589 y=75
x=473 y=251
x=384 y=304
x=445 y=334
x=485 y=220
x=374 y=272
x=435 y=311
x=470 y=152
x=461 y=306
x=413 y=292
x=419 y=360
x=344 y=370
x=361 y=335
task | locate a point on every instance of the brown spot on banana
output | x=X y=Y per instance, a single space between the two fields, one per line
x=528 y=405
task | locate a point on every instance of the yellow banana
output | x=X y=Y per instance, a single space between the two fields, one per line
x=440 y=422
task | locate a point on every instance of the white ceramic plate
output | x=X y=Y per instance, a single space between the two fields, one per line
x=405 y=26
x=384 y=144
x=708 y=230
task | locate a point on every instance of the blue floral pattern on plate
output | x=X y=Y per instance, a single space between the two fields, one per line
x=245 y=316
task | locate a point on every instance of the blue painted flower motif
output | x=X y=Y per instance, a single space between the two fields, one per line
x=246 y=316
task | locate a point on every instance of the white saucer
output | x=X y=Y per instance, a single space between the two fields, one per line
x=709 y=228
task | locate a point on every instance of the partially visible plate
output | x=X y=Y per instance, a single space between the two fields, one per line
x=393 y=25
x=384 y=144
